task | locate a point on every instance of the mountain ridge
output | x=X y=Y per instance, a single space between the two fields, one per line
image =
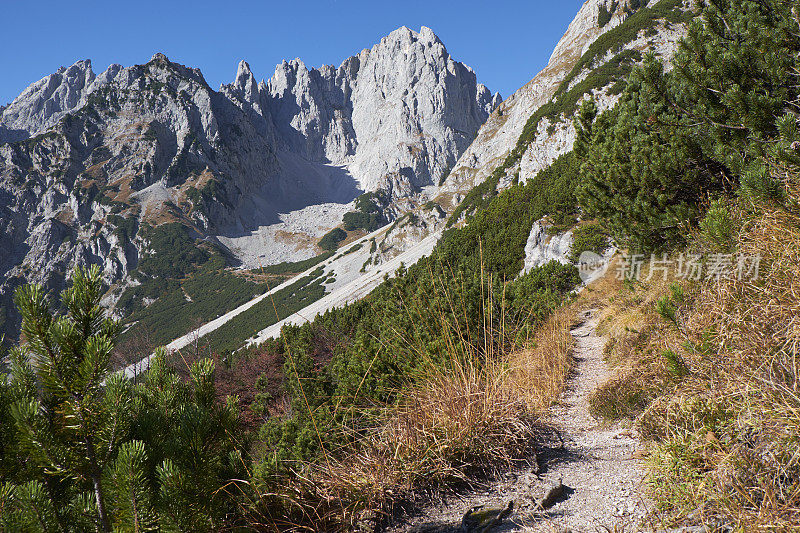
x=428 y=216
x=132 y=148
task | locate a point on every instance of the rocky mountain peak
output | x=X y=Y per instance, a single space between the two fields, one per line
x=44 y=102
x=148 y=144
x=405 y=34
x=395 y=114
x=162 y=68
x=245 y=82
x=158 y=57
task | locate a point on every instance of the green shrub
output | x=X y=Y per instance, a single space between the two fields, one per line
x=717 y=227
x=369 y=212
x=211 y=192
x=179 y=307
x=643 y=182
x=87 y=449
x=367 y=221
x=125 y=228
x=588 y=238
x=285 y=302
x=352 y=249
x=295 y=267
x=330 y=241
x=604 y=15
x=172 y=252
x=503 y=222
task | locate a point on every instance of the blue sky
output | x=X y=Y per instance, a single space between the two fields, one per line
x=505 y=42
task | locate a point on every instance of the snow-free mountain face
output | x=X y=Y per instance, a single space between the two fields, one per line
x=91 y=165
x=397 y=115
x=581 y=66
x=555 y=135
x=42 y=104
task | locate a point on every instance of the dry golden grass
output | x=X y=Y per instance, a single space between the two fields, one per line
x=461 y=423
x=726 y=433
x=738 y=418
x=538 y=373
x=637 y=337
x=464 y=421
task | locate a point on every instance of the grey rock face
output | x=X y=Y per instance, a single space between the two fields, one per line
x=42 y=104
x=397 y=115
x=151 y=144
x=541 y=248
x=87 y=161
x=414 y=110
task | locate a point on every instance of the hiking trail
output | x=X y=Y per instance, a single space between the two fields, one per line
x=602 y=478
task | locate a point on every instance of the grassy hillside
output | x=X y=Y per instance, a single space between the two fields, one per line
x=182 y=283
x=707 y=179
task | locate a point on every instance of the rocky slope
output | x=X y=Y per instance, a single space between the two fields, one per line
x=319 y=146
x=92 y=165
x=586 y=62
x=581 y=65
x=555 y=135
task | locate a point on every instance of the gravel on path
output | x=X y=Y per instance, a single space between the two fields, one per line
x=595 y=462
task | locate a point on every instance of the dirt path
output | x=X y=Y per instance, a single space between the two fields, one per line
x=600 y=476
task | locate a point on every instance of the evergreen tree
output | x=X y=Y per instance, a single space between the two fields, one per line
x=84 y=449
x=676 y=139
x=734 y=73
x=193 y=445
x=643 y=171
x=69 y=421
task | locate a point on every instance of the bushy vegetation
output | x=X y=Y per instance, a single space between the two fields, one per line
x=700 y=160
x=675 y=139
x=330 y=241
x=270 y=310
x=503 y=222
x=178 y=306
x=84 y=449
x=604 y=14
x=172 y=251
x=550 y=192
x=294 y=267
x=368 y=214
x=589 y=237
x=183 y=283
x=614 y=40
x=202 y=198
x=568 y=95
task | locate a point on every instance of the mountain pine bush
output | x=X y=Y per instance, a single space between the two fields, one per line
x=699 y=130
x=85 y=448
x=718 y=402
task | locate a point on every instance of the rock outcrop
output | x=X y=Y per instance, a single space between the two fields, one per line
x=397 y=115
x=42 y=104
x=542 y=247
